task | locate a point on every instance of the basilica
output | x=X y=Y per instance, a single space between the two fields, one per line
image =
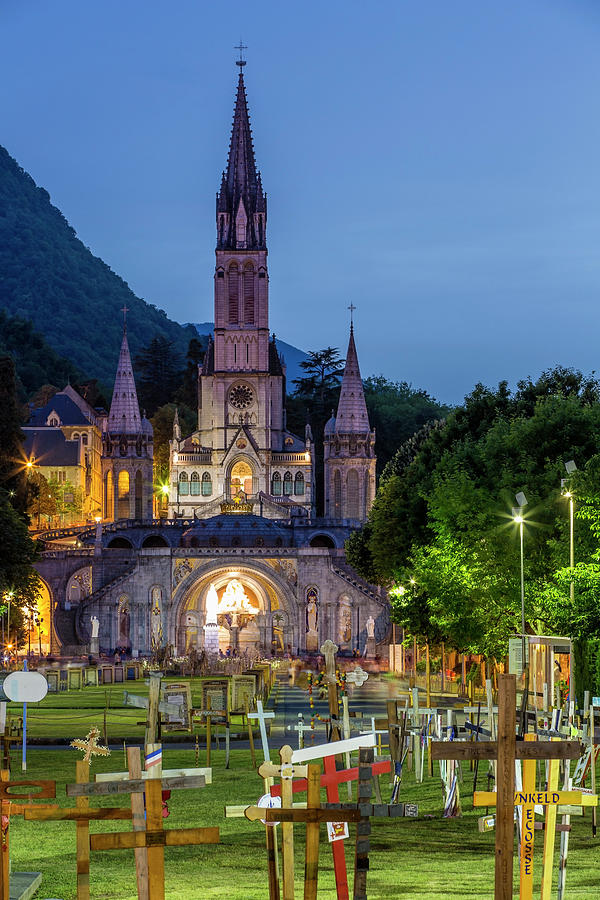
x=240 y=558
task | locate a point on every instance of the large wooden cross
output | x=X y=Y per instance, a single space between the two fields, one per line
x=82 y=815
x=331 y=780
x=329 y=649
x=505 y=750
x=153 y=836
x=8 y=808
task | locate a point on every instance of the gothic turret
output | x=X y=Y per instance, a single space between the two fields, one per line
x=127 y=448
x=349 y=446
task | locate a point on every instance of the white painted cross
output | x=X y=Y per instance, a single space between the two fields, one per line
x=301 y=727
x=334 y=748
x=262 y=716
x=357 y=676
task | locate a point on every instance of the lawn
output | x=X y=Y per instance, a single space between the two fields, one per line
x=425 y=858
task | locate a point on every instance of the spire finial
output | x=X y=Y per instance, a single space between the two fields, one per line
x=351 y=308
x=124 y=310
x=241 y=62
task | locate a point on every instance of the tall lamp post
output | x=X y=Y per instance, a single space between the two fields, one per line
x=519 y=520
x=568 y=495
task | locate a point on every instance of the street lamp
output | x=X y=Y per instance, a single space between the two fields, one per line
x=519 y=520
x=570 y=467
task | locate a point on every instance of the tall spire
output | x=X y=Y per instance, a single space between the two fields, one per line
x=241 y=201
x=124 y=415
x=352 y=416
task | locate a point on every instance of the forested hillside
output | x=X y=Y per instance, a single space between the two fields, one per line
x=36 y=363
x=72 y=297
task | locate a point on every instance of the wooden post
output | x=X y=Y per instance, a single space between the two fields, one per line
x=250 y=734
x=82 y=776
x=507 y=723
x=593 y=767
x=152 y=723
x=311 y=866
x=208 y=734
x=427 y=676
x=527 y=827
x=4 y=866
x=329 y=649
x=138 y=821
x=550 y=830
x=287 y=829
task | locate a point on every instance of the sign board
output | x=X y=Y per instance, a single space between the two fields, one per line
x=515 y=653
x=25 y=687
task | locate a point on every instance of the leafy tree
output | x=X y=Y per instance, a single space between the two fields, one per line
x=157 y=370
x=397 y=411
x=17 y=574
x=444 y=517
x=315 y=397
x=13 y=483
x=187 y=393
x=162 y=423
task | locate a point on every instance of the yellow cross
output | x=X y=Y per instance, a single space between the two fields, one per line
x=90 y=746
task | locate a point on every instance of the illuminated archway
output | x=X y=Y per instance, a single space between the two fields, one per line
x=240 y=478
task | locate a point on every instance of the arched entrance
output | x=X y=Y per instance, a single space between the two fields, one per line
x=253 y=610
x=240 y=478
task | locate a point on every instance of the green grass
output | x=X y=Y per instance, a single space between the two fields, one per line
x=426 y=858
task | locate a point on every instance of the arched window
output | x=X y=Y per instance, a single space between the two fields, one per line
x=276 y=484
x=288 y=484
x=249 y=294
x=299 y=484
x=184 y=487
x=233 y=284
x=75 y=436
x=352 y=494
x=123 y=495
x=84 y=439
x=195 y=484
x=206 y=484
x=337 y=494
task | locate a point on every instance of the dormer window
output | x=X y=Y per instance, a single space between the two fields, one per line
x=53 y=419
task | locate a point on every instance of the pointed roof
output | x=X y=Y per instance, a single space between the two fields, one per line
x=124 y=416
x=241 y=183
x=352 y=416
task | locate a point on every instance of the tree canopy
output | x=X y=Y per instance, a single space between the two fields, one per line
x=443 y=513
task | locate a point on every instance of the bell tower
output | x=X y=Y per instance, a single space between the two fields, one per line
x=241 y=276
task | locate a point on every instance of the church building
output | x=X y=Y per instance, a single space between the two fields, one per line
x=243 y=547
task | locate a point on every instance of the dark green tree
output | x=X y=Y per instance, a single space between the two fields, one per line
x=187 y=394
x=158 y=374
x=13 y=481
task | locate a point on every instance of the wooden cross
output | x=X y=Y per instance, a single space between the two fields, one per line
x=152 y=836
x=8 y=808
x=329 y=649
x=330 y=780
x=365 y=810
x=313 y=815
x=261 y=715
x=82 y=814
x=90 y=745
x=505 y=750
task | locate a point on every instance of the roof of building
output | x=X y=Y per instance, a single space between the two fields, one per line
x=352 y=416
x=236 y=530
x=124 y=416
x=49 y=447
x=67 y=411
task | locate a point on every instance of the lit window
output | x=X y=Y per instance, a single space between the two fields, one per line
x=184 y=487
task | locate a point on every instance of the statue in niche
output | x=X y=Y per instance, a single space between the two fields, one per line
x=370 y=626
x=124 y=623
x=156 y=630
x=312 y=619
x=95 y=621
x=345 y=626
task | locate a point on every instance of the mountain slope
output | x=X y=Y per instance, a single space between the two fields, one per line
x=72 y=297
x=292 y=355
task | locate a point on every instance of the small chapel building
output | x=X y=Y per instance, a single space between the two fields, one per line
x=242 y=541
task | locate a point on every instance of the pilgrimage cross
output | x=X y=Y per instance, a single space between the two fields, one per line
x=90 y=745
x=154 y=837
x=46 y=791
x=505 y=750
x=82 y=815
x=329 y=649
x=261 y=715
x=330 y=780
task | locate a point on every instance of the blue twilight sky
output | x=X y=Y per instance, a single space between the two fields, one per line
x=436 y=162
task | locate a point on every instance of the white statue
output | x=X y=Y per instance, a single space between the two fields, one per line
x=95 y=626
x=212 y=602
x=370 y=626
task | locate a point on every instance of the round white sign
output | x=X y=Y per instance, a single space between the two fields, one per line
x=269 y=802
x=25 y=687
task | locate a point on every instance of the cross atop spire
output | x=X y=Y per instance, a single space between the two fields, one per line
x=351 y=308
x=241 y=47
x=124 y=310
